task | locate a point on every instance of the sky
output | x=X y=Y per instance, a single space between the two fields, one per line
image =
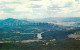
x=38 y=9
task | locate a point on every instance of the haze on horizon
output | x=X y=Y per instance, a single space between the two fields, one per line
x=37 y=9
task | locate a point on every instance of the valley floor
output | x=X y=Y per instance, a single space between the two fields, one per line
x=47 y=45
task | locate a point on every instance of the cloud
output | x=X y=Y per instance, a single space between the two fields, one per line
x=69 y=4
x=35 y=6
x=39 y=8
x=35 y=0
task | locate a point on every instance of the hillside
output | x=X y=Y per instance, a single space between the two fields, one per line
x=17 y=30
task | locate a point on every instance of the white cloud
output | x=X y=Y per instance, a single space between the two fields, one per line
x=39 y=8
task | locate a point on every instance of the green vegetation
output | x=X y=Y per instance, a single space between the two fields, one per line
x=60 y=45
x=78 y=32
x=14 y=29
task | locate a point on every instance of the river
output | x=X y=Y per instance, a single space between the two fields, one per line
x=39 y=36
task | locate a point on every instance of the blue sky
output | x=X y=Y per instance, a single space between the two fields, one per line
x=36 y=9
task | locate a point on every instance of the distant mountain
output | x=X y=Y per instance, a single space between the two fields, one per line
x=60 y=20
x=11 y=22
